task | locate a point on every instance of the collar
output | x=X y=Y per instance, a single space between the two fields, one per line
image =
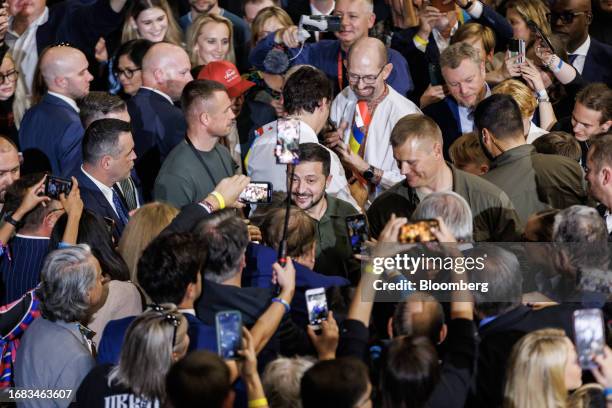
x=583 y=49
x=332 y=210
x=66 y=99
x=31 y=237
x=157 y=91
x=42 y=19
x=307 y=134
x=316 y=12
x=188 y=311
x=486 y=320
x=514 y=154
x=106 y=190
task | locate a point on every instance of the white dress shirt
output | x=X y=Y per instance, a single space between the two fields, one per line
x=106 y=190
x=378 y=151
x=157 y=91
x=261 y=163
x=581 y=53
x=24 y=50
x=535 y=132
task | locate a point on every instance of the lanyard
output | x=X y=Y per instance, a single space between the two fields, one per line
x=340 y=79
x=195 y=152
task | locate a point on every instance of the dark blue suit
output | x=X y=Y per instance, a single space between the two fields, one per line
x=54 y=128
x=597 y=63
x=419 y=62
x=78 y=23
x=201 y=337
x=94 y=200
x=447 y=119
x=157 y=126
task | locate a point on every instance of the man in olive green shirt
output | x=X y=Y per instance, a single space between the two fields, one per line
x=417 y=147
x=333 y=254
x=533 y=181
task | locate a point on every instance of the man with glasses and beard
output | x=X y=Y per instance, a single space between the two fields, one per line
x=570 y=20
x=311 y=177
x=366 y=112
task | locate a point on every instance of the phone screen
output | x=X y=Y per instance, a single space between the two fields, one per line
x=316 y=302
x=287 y=141
x=256 y=192
x=357 y=227
x=419 y=231
x=54 y=186
x=229 y=334
x=589 y=336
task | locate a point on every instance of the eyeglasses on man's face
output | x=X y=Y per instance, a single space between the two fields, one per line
x=10 y=76
x=367 y=79
x=128 y=73
x=566 y=17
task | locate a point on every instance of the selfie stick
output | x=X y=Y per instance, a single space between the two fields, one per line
x=282 y=248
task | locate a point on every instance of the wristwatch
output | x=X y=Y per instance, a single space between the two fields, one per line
x=468 y=5
x=8 y=217
x=368 y=175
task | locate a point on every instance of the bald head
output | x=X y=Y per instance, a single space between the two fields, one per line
x=65 y=71
x=9 y=164
x=368 y=50
x=166 y=67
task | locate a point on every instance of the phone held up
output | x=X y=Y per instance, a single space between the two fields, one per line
x=316 y=303
x=54 y=186
x=416 y=232
x=589 y=336
x=228 y=325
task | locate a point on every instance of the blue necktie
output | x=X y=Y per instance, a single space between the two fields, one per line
x=119 y=208
x=572 y=58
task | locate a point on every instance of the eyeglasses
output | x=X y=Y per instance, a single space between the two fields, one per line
x=567 y=17
x=367 y=79
x=10 y=76
x=128 y=73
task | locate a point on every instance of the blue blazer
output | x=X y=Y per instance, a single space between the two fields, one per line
x=54 y=128
x=597 y=63
x=157 y=126
x=201 y=337
x=447 y=120
x=94 y=200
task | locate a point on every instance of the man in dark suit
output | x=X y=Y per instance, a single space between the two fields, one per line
x=53 y=126
x=157 y=124
x=80 y=23
x=422 y=45
x=600 y=168
x=108 y=157
x=570 y=20
x=464 y=73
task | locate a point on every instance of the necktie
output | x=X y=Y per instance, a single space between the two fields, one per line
x=361 y=121
x=129 y=193
x=119 y=208
x=572 y=58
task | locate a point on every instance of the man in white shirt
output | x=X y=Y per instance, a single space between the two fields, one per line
x=53 y=126
x=366 y=112
x=307 y=97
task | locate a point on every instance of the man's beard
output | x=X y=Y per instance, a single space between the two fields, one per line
x=313 y=203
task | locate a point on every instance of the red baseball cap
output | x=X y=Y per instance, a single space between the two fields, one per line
x=226 y=73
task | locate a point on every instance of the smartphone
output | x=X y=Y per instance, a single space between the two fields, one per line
x=316 y=303
x=257 y=192
x=517 y=49
x=589 y=336
x=539 y=34
x=435 y=74
x=444 y=6
x=229 y=334
x=357 y=227
x=287 y=141
x=420 y=231
x=54 y=186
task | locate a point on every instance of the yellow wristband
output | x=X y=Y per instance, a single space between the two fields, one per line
x=419 y=40
x=219 y=198
x=261 y=402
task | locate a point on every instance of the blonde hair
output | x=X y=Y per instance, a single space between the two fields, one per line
x=263 y=16
x=475 y=30
x=466 y=149
x=143 y=227
x=521 y=93
x=415 y=126
x=130 y=32
x=534 y=10
x=195 y=30
x=454 y=55
x=538 y=363
x=589 y=395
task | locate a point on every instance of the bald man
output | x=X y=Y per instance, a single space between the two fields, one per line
x=9 y=165
x=570 y=20
x=53 y=127
x=363 y=144
x=158 y=125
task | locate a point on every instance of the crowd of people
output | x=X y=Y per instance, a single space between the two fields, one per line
x=130 y=131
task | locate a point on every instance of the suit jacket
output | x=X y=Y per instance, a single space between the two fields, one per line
x=95 y=201
x=597 y=63
x=53 y=128
x=445 y=117
x=157 y=126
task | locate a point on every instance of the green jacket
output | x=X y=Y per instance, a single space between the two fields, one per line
x=495 y=218
x=536 y=182
x=333 y=254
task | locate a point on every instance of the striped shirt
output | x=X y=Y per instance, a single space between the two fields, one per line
x=21 y=272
